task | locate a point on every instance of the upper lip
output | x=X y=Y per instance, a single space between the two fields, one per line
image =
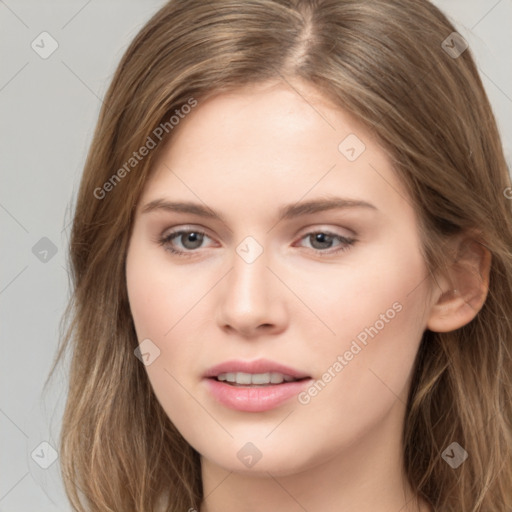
x=257 y=366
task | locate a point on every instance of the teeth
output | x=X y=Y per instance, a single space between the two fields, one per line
x=255 y=378
x=243 y=378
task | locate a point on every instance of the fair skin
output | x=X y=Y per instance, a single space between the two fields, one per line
x=245 y=155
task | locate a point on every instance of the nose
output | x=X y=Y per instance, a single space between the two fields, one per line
x=252 y=299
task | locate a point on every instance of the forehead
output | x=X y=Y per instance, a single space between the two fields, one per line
x=272 y=112
x=271 y=141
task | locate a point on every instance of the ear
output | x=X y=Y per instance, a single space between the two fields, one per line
x=463 y=289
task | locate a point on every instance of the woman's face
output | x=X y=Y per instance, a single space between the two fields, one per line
x=298 y=256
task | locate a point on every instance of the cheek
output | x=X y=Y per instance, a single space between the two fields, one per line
x=167 y=309
x=159 y=302
x=379 y=318
x=160 y=296
x=351 y=297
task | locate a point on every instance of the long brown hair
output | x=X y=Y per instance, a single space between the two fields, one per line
x=384 y=61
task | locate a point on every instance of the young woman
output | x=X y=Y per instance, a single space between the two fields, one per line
x=292 y=269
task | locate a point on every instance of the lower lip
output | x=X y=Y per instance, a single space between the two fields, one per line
x=255 y=399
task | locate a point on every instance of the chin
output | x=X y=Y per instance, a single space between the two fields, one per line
x=273 y=460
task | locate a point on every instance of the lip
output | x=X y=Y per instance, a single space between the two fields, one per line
x=254 y=399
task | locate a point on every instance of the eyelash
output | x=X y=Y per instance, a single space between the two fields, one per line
x=165 y=241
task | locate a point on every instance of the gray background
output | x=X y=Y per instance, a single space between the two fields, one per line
x=48 y=110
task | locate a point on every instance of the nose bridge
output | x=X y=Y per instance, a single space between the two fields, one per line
x=248 y=295
x=248 y=281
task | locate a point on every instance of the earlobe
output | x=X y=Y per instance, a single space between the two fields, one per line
x=464 y=290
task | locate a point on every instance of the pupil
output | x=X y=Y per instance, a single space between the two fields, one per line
x=194 y=238
x=322 y=238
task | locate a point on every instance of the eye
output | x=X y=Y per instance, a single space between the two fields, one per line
x=322 y=240
x=190 y=240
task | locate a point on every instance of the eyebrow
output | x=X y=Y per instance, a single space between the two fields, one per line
x=286 y=212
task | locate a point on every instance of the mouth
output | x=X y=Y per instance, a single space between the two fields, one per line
x=254 y=386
